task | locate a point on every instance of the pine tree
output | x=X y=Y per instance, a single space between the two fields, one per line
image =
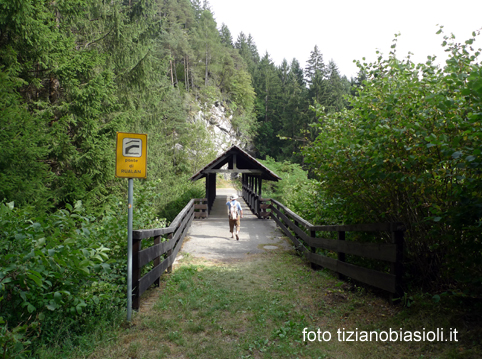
x=267 y=86
x=253 y=50
x=315 y=64
x=297 y=72
x=335 y=102
x=242 y=46
x=293 y=115
x=226 y=38
x=208 y=41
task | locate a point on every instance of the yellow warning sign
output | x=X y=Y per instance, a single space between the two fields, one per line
x=131 y=155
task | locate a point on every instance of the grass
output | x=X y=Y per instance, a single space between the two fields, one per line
x=68 y=342
x=258 y=308
x=222 y=182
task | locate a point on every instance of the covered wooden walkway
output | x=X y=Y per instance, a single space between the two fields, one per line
x=235 y=160
x=210 y=238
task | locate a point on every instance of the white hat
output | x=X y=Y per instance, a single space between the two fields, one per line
x=234 y=196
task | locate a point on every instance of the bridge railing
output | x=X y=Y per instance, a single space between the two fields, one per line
x=200 y=208
x=304 y=234
x=257 y=204
x=167 y=243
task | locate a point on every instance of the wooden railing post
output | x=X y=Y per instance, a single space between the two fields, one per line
x=313 y=250
x=397 y=267
x=341 y=255
x=136 y=273
x=157 y=261
x=297 y=225
x=168 y=253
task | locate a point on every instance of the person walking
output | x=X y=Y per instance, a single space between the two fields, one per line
x=235 y=213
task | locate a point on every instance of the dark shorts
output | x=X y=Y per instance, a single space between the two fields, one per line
x=234 y=222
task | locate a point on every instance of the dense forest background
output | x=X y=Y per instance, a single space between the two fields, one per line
x=401 y=142
x=71 y=78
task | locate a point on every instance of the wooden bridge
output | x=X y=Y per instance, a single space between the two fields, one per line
x=264 y=226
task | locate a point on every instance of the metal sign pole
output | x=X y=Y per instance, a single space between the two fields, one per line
x=129 y=249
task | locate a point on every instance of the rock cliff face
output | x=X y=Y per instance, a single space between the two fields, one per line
x=218 y=122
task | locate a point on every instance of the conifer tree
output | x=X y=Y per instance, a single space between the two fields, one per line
x=335 y=102
x=297 y=72
x=226 y=38
x=315 y=64
x=208 y=42
x=267 y=86
x=253 y=50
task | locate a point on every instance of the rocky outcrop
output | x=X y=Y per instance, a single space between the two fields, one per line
x=218 y=122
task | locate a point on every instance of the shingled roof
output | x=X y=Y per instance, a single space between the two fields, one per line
x=238 y=161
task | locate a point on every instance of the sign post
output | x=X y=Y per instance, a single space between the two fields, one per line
x=130 y=201
x=131 y=162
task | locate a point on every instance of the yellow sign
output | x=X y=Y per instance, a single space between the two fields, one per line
x=131 y=155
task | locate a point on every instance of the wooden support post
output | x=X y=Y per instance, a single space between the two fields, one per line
x=157 y=261
x=341 y=255
x=136 y=273
x=251 y=202
x=296 y=235
x=205 y=201
x=255 y=204
x=313 y=250
x=169 y=252
x=207 y=191
x=214 y=186
x=210 y=190
x=243 y=181
x=397 y=267
x=249 y=191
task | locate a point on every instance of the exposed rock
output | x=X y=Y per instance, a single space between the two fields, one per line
x=218 y=122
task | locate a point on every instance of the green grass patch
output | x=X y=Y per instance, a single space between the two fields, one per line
x=259 y=308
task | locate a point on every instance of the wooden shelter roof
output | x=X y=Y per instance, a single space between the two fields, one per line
x=238 y=161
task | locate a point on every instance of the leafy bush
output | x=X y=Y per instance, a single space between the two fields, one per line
x=410 y=151
x=52 y=269
x=295 y=190
x=63 y=269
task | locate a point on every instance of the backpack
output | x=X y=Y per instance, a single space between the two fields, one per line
x=233 y=211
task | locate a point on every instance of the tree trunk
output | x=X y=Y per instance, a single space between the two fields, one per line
x=186 y=72
x=175 y=72
x=206 y=71
x=170 y=65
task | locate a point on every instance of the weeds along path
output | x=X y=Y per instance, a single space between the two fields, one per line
x=254 y=308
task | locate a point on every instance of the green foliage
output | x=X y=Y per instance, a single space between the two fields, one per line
x=294 y=189
x=23 y=146
x=53 y=270
x=283 y=99
x=75 y=73
x=60 y=270
x=72 y=74
x=409 y=151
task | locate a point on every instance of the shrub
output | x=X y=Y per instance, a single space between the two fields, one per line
x=410 y=150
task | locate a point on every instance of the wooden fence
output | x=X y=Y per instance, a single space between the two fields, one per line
x=302 y=232
x=168 y=241
x=257 y=204
x=164 y=249
x=200 y=208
